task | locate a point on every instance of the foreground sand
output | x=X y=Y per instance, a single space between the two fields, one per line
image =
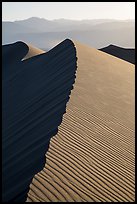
x=92 y=157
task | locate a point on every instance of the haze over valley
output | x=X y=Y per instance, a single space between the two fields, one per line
x=45 y=34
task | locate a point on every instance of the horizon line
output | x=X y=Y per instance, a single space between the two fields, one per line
x=71 y=19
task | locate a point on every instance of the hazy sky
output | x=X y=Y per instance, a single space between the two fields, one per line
x=69 y=10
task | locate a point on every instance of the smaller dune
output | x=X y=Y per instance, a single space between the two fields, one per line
x=33 y=51
x=122 y=53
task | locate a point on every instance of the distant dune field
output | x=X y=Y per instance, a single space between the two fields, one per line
x=76 y=105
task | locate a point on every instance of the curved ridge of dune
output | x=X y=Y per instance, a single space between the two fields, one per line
x=34 y=96
x=92 y=157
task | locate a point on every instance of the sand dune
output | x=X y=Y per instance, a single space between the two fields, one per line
x=35 y=93
x=92 y=156
x=33 y=51
x=122 y=53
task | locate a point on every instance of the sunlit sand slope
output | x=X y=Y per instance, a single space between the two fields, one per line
x=92 y=156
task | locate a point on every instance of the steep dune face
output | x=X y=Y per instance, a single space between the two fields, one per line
x=12 y=54
x=34 y=96
x=92 y=156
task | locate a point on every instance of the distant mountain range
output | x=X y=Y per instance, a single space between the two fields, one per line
x=46 y=34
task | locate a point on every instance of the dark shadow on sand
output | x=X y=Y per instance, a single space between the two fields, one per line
x=34 y=97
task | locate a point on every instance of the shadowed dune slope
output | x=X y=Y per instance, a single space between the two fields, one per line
x=34 y=96
x=122 y=53
x=91 y=158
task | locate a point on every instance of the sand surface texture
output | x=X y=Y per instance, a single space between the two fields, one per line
x=92 y=157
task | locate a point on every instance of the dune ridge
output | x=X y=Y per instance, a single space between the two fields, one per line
x=92 y=157
x=34 y=96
